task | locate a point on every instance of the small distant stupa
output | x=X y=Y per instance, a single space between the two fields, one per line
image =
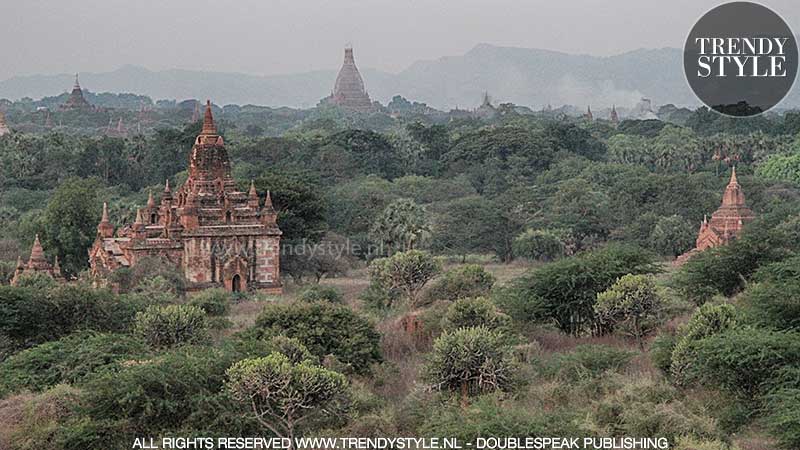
x=76 y=100
x=348 y=91
x=726 y=222
x=486 y=110
x=3 y=126
x=614 y=115
x=37 y=263
x=589 y=116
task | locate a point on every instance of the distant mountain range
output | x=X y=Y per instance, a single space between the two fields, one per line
x=529 y=77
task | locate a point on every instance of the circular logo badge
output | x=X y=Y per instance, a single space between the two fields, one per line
x=740 y=59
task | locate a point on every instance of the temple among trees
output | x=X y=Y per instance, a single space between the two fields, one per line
x=217 y=235
x=726 y=222
x=37 y=263
x=3 y=126
x=76 y=100
x=348 y=90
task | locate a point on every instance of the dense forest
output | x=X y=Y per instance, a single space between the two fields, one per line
x=445 y=275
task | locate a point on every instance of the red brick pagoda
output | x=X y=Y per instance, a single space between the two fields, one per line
x=76 y=100
x=217 y=236
x=37 y=263
x=726 y=222
x=348 y=91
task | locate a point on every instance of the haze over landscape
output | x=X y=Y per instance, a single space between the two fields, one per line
x=287 y=53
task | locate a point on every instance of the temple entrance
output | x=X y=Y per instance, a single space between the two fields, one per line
x=236 y=283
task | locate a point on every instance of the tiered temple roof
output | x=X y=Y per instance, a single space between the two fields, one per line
x=726 y=222
x=76 y=100
x=349 y=91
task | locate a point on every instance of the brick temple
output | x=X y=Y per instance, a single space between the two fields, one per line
x=348 y=90
x=37 y=263
x=76 y=101
x=217 y=235
x=726 y=222
x=3 y=126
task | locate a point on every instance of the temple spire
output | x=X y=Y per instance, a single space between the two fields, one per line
x=104 y=228
x=150 y=200
x=733 y=176
x=208 y=121
x=253 y=195
x=37 y=252
x=77 y=85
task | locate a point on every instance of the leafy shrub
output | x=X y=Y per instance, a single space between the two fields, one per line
x=471 y=361
x=167 y=393
x=743 y=360
x=282 y=393
x=647 y=407
x=491 y=415
x=565 y=291
x=474 y=312
x=661 y=351
x=215 y=302
x=325 y=329
x=586 y=361
x=377 y=299
x=782 y=407
x=67 y=360
x=291 y=348
x=773 y=304
x=407 y=272
x=36 y=280
x=672 y=236
x=318 y=293
x=539 y=245
x=469 y=280
x=707 y=321
x=632 y=299
x=29 y=317
x=171 y=325
x=725 y=270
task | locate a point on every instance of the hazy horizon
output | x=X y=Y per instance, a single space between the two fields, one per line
x=284 y=37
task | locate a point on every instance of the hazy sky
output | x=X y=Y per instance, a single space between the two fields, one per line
x=285 y=36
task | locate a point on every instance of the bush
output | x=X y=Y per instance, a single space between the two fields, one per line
x=470 y=280
x=318 y=293
x=167 y=393
x=539 y=245
x=565 y=291
x=168 y=326
x=471 y=361
x=743 y=360
x=661 y=351
x=782 y=407
x=631 y=299
x=726 y=269
x=282 y=393
x=773 y=304
x=215 y=302
x=292 y=349
x=707 y=321
x=474 y=312
x=492 y=415
x=325 y=329
x=407 y=272
x=586 y=361
x=29 y=317
x=67 y=360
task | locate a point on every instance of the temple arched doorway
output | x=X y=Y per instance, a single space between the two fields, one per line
x=236 y=283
